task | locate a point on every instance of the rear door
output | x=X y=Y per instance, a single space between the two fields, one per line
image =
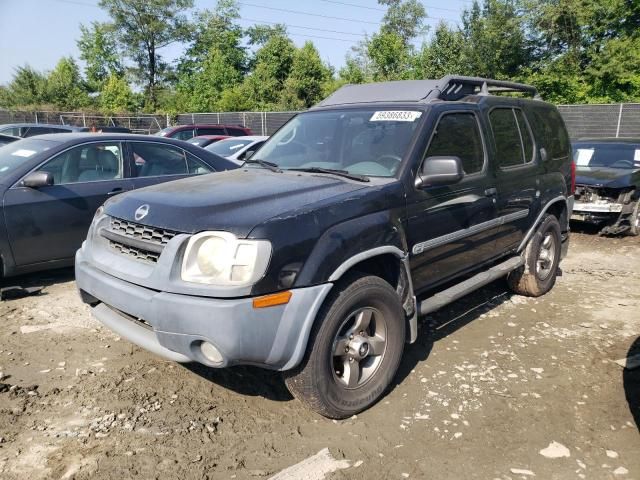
x=516 y=169
x=452 y=228
x=50 y=223
x=211 y=131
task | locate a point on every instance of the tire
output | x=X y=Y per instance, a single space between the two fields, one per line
x=634 y=221
x=542 y=257
x=326 y=380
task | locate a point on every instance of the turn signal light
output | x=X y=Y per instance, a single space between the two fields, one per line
x=280 y=298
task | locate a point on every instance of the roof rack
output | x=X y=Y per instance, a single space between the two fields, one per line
x=454 y=87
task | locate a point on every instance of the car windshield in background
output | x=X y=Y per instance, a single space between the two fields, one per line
x=164 y=132
x=360 y=141
x=228 y=147
x=16 y=153
x=610 y=155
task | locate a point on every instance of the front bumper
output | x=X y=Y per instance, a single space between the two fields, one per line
x=175 y=326
x=596 y=212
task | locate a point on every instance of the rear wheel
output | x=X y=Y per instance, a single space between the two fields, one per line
x=634 y=229
x=542 y=257
x=354 y=349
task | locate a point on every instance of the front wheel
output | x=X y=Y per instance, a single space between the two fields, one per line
x=634 y=220
x=354 y=349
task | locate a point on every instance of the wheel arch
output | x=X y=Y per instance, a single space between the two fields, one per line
x=560 y=207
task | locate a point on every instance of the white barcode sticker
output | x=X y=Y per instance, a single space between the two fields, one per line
x=395 y=116
x=636 y=155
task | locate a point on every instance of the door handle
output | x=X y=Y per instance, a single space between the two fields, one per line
x=115 y=191
x=490 y=192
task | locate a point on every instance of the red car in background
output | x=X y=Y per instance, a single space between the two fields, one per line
x=185 y=132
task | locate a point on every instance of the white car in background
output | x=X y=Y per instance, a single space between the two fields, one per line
x=236 y=148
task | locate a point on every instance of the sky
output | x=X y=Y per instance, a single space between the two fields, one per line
x=39 y=32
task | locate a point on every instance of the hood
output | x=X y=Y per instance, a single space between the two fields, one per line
x=607 y=177
x=233 y=201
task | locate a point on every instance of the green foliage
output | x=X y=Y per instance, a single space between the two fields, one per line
x=304 y=86
x=144 y=27
x=116 y=96
x=99 y=51
x=64 y=86
x=404 y=18
x=28 y=87
x=443 y=55
x=260 y=34
x=391 y=57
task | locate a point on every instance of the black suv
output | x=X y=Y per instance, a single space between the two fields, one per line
x=382 y=203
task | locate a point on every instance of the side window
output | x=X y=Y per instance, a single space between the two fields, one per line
x=211 y=131
x=551 y=129
x=195 y=166
x=33 y=131
x=507 y=137
x=236 y=132
x=458 y=135
x=525 y=133
x=86 y=163
x=184 y=135
x=155 y=159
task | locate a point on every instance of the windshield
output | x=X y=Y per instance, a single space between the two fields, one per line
x=164 y=132
x=611 y=155
x=15 y=154
x=228 y=147
x=361 y=141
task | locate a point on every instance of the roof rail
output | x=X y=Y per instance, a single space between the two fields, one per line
x=454 y=87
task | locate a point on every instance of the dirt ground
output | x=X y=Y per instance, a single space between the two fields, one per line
x=497 y=387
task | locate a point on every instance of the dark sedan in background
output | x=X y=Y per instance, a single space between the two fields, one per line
x=608 y=184
x=52 y=185
x=4 y=139
x=25 y=130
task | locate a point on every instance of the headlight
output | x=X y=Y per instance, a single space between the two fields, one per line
x=219 y=258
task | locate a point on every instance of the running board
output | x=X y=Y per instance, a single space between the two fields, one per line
x=459 y=290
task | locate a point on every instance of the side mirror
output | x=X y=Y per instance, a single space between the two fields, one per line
x=438 y=171
x=38 y=179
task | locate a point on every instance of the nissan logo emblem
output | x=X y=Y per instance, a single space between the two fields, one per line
x=141 y=212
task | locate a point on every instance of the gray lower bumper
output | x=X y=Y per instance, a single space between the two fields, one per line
x=176 y=325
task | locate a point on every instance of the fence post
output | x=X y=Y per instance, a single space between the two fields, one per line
x=244 y=119
x=263 y=116
x=218 y=116
x=167 y=120
x=619 y=121
x=192 y=119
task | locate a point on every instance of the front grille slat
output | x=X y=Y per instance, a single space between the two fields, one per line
x=136 y=231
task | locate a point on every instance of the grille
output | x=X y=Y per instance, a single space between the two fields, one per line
x=158 y=236
x=134 y=252
x=143 y=233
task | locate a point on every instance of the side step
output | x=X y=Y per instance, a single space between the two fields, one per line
x=461 y=289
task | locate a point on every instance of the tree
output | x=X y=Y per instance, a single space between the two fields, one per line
x=65 y=88
x=99 y=51
x=404 y=18
x=391 y=57
x=272 y=66
x=144 y=27
x=116 y=96
x=28 y=87
x=260 y=34
x=443 y=54
x=305 y=85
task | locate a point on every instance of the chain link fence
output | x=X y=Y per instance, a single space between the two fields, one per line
x=141 y=123
x=614 y=120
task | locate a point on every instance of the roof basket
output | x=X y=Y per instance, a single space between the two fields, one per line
x=454 y=87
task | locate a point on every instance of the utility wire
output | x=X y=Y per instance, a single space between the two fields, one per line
x=300 y=26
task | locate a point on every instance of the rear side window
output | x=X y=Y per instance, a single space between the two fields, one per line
x=183 y=134
x=211 y=131
x=236 y=132
x=551 y=131
x=512 y=137
x=458 y=135
x=154 y=160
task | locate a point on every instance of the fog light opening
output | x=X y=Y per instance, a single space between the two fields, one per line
x=210 y=352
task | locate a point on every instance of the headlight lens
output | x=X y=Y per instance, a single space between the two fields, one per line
x=219 y=258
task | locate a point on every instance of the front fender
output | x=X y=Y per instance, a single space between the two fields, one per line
x=344 y=241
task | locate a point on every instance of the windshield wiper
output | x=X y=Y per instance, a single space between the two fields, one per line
x=263 y=163
x=341 y=173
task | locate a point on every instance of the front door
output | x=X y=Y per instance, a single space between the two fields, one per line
x=50 y=223
x=451 y=228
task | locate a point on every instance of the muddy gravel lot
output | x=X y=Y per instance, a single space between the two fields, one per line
x=497 y=387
